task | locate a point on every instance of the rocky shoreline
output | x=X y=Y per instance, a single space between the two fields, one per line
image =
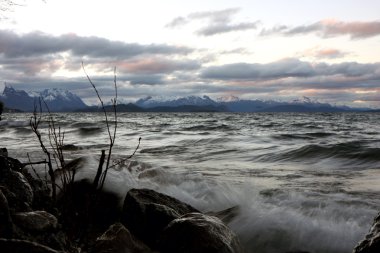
x=147 y=221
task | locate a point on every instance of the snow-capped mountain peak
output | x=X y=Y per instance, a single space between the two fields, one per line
x=55 y=93
x=149 y=101
x=56 y=99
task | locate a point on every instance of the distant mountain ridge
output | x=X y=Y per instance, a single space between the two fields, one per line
x=234 y=104
x=59 y=100
x=56 y=99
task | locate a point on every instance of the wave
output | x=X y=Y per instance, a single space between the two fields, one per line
x=168 y=150
x=350 y=150
x=268 y=220
x=23 y=130
x=305 y=136
x=90 y=130
x=222 y=127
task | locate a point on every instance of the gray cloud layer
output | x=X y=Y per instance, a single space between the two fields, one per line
x=288 y=68
x=36 y=54
x=330 y=28
x=218 y=22
x=30 y=59
x=30 y=44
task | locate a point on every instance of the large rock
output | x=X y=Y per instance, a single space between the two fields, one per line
x=16 y=184
x=117 y=239
x=5 y=218
x=198 y=233
x=42 y=199
x=371 y=243
x=146 y=213
x=87 y=212
x=36 y=221
x=22 y=246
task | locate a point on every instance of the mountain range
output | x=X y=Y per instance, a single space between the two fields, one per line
x=62 y=100
x=234 y=104
x=57 y=100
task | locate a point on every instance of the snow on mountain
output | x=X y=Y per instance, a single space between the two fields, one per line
x=234 y=104
x=56 y=99
x=149 y=102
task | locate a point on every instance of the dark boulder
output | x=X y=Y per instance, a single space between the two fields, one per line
x=41 y=227
x=86 y=211
x=42 y=199
x=23 y=246
x=9 y=163
x=3 y=151
x=146 y=213
x=198 y=233
x=17 y=188
x=5 y=218
x=118 y=239
x=371 y=242
x=36 y=221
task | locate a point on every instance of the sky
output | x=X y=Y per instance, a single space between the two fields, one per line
x=271 y=50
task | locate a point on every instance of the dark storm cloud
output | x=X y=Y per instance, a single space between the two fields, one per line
x=286 y=69
x=36 y=53
x=39 y=44
x=330 y=28
x=218 y=22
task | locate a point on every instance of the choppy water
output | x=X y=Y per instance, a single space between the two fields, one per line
x=302 y=181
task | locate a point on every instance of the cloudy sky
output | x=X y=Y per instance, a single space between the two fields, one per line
x=326 y=50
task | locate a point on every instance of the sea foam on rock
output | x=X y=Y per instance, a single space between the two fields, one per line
x=169 y=225
x=146 y=213
x=201 y=233
x=371 y=243
x=150 y=220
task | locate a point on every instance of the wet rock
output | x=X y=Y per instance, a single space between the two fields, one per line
x=146 y=213
x=198 y=233
x=3 y=151
x=371 y=243
x=226 y=215
x=5 y=218
x=42 y=199
x=87 y=212
x=118 y=239
x=9 y=163
x=23 y=246
x=16 y=184
x=36 y=221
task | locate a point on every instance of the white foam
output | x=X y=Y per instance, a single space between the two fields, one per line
x=276 y=222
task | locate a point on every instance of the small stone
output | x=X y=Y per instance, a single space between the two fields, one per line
x=5 y=218
x=118 y=239
x=22 y=246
